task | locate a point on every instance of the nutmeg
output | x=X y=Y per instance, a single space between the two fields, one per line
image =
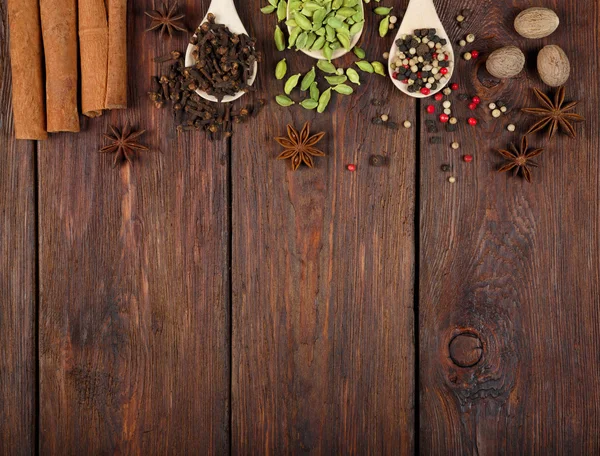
x=505 y=62
x=553 y=65
x=536 y=22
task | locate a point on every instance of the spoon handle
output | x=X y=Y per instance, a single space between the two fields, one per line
x=222 y=8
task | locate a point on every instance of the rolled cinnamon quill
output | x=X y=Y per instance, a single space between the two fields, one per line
x=116 y=85
x=26 y=62
x=93 y=55
x=59 y=32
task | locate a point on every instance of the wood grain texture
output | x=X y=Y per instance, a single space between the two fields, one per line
x=134 y=319
x=323 y=264
x=17 y=273
x=514 y=264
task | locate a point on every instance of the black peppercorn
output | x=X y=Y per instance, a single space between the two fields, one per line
x=377 y=160
x=435 y=140
x=446 y=168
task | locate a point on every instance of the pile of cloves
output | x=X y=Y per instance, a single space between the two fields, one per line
x=191 y=112
x=225 y=61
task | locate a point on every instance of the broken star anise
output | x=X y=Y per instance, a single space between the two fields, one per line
x=166 y=20
x=520 y=160
x=554 y=114
x=123 y=144
x=299 y=147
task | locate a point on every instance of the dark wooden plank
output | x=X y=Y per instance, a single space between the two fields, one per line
x=515 y=264
x=134 y=282
x=17 y=273
x=323 y=274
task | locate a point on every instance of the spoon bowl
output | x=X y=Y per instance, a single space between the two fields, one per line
x=420 y=14
x=338 y=52
x=226 y=14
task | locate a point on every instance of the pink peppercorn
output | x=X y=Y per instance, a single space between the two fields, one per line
x=444 y=70
x=468 y=158
x=444 y=118
x=472 y=106
x=438 y=96
x=425 y=91
x=351 y=167
x=454 y=86
x=431 y=109
x=476 y=100
x=472 y=121
x=474 y=54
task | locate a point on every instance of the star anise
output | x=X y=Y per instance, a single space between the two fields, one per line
x=166 y=20
x=123 y=144
x=520 y=160
x=299 y=147
x=554 y=114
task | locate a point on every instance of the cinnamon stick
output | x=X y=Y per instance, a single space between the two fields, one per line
x=93 y=55
x=59 y=31
x=26 y=62
x=116 y=85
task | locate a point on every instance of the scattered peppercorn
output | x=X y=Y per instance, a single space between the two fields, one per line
x=462 y=43
x=476 y=100
x=452 y=179
x=444 y=118
x=455 y=145
x=472 y=121
x=453 y=121
x=384 y=117
x=467 y=56
x=407 y=124
x=474 y=54
x=472 y=106
x=511 y=127
x=468 y=158
x=431 y=109
x=454 y=86
x=435 y=140
x=377 y=160
x=446 y=168
x=438 y=96
x=351 y=167
x=470 y=38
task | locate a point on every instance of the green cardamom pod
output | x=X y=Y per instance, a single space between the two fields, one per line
x=384 y=26
x=343 y=89
x=284 y=101
x=336 y=4
x=334 y=80
x=324 y=101
x=309 y=103
x=308 y=79
x=327 y=51
x=294 y=36
x=382 y=10
x=281 y=10
x=281 y=69
x=326 y=67
x=365 y=66
x=267 y=9
x=314 y=91
x=344 y=40
x=302 y=21
x=318 y=44
x=334 y=22
x=345 y=12
x=310 y=41
x=379 y=68
x=279 y=39
x=353 y=76
x=291 y=83
x=273 y=3
x=356 y=28
x=301 y=40
x=360 y=53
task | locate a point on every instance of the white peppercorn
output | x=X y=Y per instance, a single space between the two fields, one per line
x=511 y=127
x=455 y=145
x=407 y=124
x=470 y=38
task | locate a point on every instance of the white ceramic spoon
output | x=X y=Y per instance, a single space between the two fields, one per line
x=338 y=52
x=421 y=14
x=225 y=13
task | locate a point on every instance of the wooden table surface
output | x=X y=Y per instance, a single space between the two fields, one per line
x=211 y=301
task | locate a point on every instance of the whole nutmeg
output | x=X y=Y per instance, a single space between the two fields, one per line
x=505 y=62
x=553 y=65
x=536 y=22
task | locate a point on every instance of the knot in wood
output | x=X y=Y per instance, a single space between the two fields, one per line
x=466 y=349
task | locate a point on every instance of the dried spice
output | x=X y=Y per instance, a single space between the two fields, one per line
x=166 y=19
x=520 y=160
x=554 y=114
x=123 y=143
x=190 y=110
x=299 y=147
x=225 y=61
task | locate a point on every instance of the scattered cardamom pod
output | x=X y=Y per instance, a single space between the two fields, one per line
x=291 y=83
x=382 y=10
x=379 y=68
x=309 y=103
x=343 y=89
x=283 y=100
x=334 y=80
x=326 y=67
x=281 y=10
x=324 y=101
x=365 y=66
x=360 y=53
x=384 y=26
x=279 y=39
x=281 y=69
x=267 y=9
x=308 y=79
x=314 y=91
x=353 y=76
